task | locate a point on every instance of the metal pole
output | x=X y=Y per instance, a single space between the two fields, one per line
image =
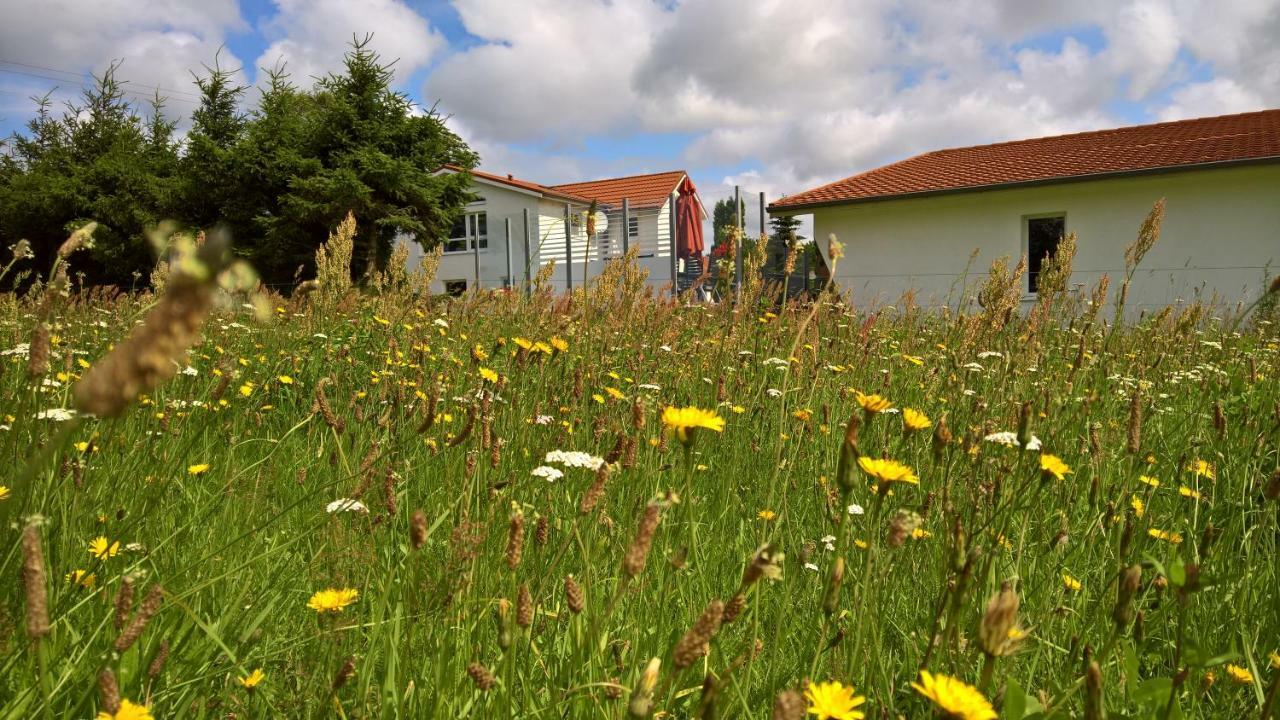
x=671 y=230
x=528 y=287
x=475 y=247
x=762 y=230
x=510 y=280
x=737 y=246
x=568 y=249
x=626 y=226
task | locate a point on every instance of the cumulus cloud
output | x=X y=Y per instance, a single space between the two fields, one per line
x=311 y=36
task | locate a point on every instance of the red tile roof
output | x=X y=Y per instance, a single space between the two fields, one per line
x=643 y=191
x=523 y=184
x=1248 y=137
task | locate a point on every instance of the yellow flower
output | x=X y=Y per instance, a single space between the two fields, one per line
x=914 y=420
x=1149 y=481
x=128 y=711
x=1071 y=583
x=872 y=403
x=737 y=409
x=332 y=600
x=559 y=344
x=955 y=698
x=252 y=680
x=1169 y=537
x=1239 y=675
x=1275 y=660
x=1187 y=492
x=102 y=549
x=1139 y=508
x=615 y=393
x=4 y=493
x=833 y=701
x=83 y=578
x=246 y=389
x=1202 y=468
x=542 y=347
x=523 y=343
x=682 y=420
x=913 y=359
x=284 y=379
x=802 y=415
x=198 y=469
x=489 y=375
x=887 y=471
x=1052 y=466
x=766 y=515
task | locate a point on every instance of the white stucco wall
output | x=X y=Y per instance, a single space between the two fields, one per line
x=1221 y=229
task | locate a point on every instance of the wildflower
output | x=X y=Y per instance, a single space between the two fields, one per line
x=253 y=679
x=887 y=471
x=833 y=701
x=1239 y=675
x=1139 y=509
x=802 y=415
x=128 y=711
x=284 y=379
x=547 y=473
x=1202 y=468
x=1165 y=535
x=954 y=697
x=1275 y=660
x=615 y=393
x=872 y=404
x=914 y=420
x=83 y=578
x=1187 y=492
x=766 y=515
x=559 y=344
x=1008 y=438
x=1071 y=583
x=1149 y=481
x=102 y=549
x=914 y=360
x=1052 y=466
x=574 y=459
x=683 y=420
x=332 y=600
x=4 y=493
x=488 y=375
x=198 y=469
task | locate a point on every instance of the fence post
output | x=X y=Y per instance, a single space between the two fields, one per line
x=671 y=230
x=510 y=280
x=763 y=232
x=737 y=246
x=626 y=226
x=528 y=281
x=475 y=247
x=568 y=249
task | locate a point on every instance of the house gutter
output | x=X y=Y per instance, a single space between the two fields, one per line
x=1061 y=180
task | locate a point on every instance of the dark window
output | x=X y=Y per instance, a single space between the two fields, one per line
x=1043 y=236
x=455 y=287
x=464 y=228
x=633 y=226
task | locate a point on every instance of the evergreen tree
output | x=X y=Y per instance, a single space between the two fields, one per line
x=782 y=237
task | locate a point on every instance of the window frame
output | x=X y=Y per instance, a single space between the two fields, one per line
x=471 y=221
x=1026 y=244
x=448 y=290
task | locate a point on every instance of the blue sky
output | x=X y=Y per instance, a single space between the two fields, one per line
x=774 y=95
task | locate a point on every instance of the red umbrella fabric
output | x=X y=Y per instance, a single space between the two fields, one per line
x=688 y=222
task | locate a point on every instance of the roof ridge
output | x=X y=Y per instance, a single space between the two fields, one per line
x=621 y=177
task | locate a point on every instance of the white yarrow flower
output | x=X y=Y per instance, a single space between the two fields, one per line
x=547 y=472
x=56 y=414
x=346 y=505
x=574 y=459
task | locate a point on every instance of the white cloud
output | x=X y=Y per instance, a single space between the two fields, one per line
x=312 y=36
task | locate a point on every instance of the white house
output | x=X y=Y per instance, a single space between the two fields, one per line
x=513 y=227
x=915 y=223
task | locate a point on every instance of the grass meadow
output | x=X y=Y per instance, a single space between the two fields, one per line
x=377 y=503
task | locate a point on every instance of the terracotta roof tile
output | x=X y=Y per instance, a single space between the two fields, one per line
x=523 y=184
x=642 y=191
x=1229 y=138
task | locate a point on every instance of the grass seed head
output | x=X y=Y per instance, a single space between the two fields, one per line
x=515 y=538
x=418 y=529
x=481 y=676
x=573 y=595
x=150 y=606
x=124 y=602
x=695 y=643
x=345 y=672
x=789 y=705
x=638 y=553
x=157 y=663
x=109 y=690
x=34 y=583
x=998 y=633
x=524 y=606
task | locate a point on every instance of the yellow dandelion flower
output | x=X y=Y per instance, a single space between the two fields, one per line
x=833 y=701
x=1187 y=492
x=1139 y=509
x=542 y=347
x=198 y=469
x=1149 y=481
x=1202 y=468
x=615 y=393
x=872 y=403
x=559 y=343
x=1053 y=466
x=1165 y=535
x=1071 y=583
x=332 y=600
x=683 y=420
x=83 y=578
x=737 y=409
x=955 y=698
x=1239 y=675
x=920 y=534
x=284 y=379
x=129 y=710
x=253 y=679
x=802 y=415
x=1274 y=657
x=914 y=420
x=522 y=343
x=766 y=515
x=488 y=375
x=888 y=471
x=4 y=492
x=246 y=389
x=913 y=359
x=102 y=549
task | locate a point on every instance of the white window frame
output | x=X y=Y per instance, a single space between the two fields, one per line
x=470 y=225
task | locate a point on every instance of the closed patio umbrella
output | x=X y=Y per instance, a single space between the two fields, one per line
x=688 y=222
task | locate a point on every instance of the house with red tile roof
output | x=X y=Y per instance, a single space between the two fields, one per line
x=927 y=222
x=513 y=227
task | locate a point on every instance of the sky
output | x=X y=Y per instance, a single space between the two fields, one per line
x=775 y=96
